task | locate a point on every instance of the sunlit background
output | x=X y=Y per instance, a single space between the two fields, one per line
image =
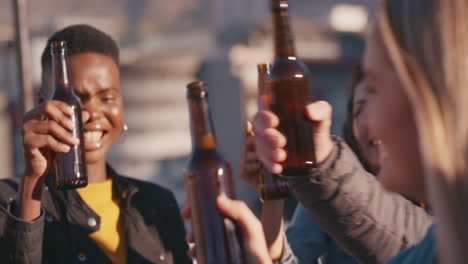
x=166 y=44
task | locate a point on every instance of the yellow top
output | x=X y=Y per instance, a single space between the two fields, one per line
x=111 y=235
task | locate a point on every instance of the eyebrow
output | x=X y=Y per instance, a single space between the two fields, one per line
x=105 y=90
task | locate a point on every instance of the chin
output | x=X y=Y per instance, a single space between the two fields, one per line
x=390 y=180
x=94 y=157
x=396 y=182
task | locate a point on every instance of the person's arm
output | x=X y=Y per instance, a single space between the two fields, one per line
x=253 y=238
x=29 y=200
x=255 y=248
x=273 y=226
x=367 y=221
x=20 y=241
x=272 y=210
x=370 y=223
x=45 y=130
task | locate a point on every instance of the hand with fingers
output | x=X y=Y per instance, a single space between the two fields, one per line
x=270 y=142
x=187 y=214
x=45 y=131
x=272 y=209
x=254 y=243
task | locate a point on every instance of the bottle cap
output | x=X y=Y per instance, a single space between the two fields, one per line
x=196 y=89
x=279 y=5
x=58 y=46
x=263 y=67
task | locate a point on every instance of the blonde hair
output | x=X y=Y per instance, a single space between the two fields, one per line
x=427 y=42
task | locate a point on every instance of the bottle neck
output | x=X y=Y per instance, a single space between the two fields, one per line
x=61 y=72
x=283 y=38
x=201 y=126
x=262 y=80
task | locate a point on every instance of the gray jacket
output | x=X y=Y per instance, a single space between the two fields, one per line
x=369 y=222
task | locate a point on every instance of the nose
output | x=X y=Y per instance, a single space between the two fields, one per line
x=93 y=109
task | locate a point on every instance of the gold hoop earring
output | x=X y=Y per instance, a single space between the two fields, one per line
x=123 y=133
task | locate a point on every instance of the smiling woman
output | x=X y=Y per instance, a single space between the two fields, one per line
x=426 y=42
x=415 y=67
x=114 y=219
x=96 y=80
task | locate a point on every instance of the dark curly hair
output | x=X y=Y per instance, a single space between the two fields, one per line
x=81 y=39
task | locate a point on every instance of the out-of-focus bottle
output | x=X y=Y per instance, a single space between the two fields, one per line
x=289 y=83
x=207 y=176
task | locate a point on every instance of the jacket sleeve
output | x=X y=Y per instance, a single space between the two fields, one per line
x=308 y=241
x=20 y=241
x=177 y=243
x=369 y=222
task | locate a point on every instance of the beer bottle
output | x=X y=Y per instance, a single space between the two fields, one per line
x=289 y=82
x=271 y=186
x=68 y=169
x=207 y=176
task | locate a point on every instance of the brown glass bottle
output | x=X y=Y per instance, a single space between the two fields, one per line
x=271 y=186
x=68 y=169
x=289 y=82
x=207 y=176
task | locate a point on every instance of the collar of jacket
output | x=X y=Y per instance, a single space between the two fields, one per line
x=143 y=240
x=75 y=211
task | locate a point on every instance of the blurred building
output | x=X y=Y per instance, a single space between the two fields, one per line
x=166 y=45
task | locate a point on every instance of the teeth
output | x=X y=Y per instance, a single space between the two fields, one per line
x=93 y=136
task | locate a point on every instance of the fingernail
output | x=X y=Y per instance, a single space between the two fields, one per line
x=65 y=148
x=76 y=140
x=71 y=124
x=69 y=110
x=276 y=168
x=222 y=199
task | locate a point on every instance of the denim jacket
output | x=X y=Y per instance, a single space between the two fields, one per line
x=310 y=243
x=154 y=228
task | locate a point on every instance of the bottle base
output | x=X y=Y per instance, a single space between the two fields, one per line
x=71 y=185
x=279 y=190
x=297 y=172
x=276 y=196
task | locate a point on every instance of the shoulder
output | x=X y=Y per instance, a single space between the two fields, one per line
x=152 y=193
x=424 y=252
